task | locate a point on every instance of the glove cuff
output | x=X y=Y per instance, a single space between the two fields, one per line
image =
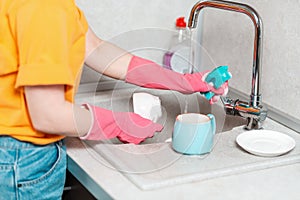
x=89 y=133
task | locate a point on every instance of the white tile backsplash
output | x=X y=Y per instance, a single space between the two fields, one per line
x=227 y=37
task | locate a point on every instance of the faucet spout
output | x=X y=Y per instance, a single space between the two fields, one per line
x=255 y=97
x=253 y=110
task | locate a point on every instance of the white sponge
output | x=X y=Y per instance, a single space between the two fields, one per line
x=147 y=106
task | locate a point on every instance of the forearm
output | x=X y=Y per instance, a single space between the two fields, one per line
x=115 y=62
x=105 y=57
x=55 y=115
x=71 y=120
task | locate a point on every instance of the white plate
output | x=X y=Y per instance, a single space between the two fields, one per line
x=265 y=142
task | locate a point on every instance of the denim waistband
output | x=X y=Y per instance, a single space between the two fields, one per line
x=12 y=143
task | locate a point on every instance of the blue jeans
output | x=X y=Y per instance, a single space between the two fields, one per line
x=31 y=172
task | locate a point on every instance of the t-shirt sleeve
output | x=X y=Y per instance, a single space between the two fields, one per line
x=44 y=32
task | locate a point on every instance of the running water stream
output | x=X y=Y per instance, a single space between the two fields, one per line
x=190 y=61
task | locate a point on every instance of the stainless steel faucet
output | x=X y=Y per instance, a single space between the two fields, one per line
x=253 y=111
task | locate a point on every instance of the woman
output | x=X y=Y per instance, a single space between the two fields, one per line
x=43 y=45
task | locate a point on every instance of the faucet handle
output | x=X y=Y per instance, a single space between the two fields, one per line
x=229 y=105
x=254 y=115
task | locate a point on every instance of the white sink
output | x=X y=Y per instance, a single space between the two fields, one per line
x=154 y=164
x=173 y=103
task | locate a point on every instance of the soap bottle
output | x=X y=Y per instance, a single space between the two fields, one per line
x=178 y=55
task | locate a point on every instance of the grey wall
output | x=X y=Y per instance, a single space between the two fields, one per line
x=227 y=39
x=140 y=26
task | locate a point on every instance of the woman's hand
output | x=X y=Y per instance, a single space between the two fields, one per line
x=128 y=127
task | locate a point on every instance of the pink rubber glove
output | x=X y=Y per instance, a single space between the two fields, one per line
x=148 y=74
x=223 y=89
x=126 y=126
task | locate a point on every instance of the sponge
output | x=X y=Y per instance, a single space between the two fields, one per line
x=147 y=106
x=217 y=78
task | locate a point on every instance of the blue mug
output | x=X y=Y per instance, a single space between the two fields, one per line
x=193 y=133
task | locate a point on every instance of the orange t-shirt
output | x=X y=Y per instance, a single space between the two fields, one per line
x=42 y=42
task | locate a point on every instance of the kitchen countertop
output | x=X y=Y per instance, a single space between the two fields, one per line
x=105 y=182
